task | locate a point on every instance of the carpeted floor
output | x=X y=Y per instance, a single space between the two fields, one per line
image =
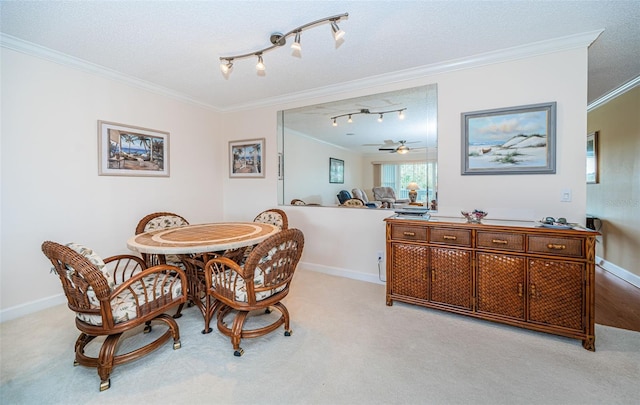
x=348 y=347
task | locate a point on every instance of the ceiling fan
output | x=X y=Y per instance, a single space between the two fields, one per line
x=402 y=148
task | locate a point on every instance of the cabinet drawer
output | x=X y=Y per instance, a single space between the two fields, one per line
x=500 y=240
x=460 y=237
x=406 y=232
x=556 y=246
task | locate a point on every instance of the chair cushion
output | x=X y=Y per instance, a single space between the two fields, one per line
x=165 y=221
x=94 y=258
x=123 y=306
x=270 y=217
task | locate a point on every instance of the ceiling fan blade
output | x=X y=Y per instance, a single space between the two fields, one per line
x=391 y=149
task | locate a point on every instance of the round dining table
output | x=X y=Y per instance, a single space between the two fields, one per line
x=195 y=245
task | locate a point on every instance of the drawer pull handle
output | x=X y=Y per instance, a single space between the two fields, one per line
x=433 y=275
x=556 y=247
x=449 y=237
x=532 y=291
x=409 y=233
x=500 y=241
x=520 y=289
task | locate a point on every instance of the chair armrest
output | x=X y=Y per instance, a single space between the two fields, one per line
x=222 y=276
x=153 y=282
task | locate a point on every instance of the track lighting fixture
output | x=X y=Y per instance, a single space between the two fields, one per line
x=296 y=43
x=366 y=111
x=277 y=40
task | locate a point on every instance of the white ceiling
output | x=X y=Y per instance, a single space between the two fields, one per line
x=176 y=45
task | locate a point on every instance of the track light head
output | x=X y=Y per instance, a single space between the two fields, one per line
x=380 y=118
x=226 y=65
x=296 y=43
x=337 y=32
x=260 y=65
x=401 y=114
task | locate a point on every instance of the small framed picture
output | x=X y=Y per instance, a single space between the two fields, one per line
x=336 y=170
x=125 y=150
x=592 y=158
x=514 y=140
x=246 y=158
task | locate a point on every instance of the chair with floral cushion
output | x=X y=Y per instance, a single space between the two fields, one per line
x=261 y=282
x=273 y=216
x=115 y=296
x=160 y=220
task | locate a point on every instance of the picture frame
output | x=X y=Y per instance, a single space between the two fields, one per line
x=246 y=158
x=514 y=140
x=593 y=175
x=336 y=170
x=127 y=150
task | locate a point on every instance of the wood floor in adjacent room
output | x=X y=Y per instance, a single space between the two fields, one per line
x=617 y=301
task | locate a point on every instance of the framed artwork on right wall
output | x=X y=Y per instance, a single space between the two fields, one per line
x=592 y=158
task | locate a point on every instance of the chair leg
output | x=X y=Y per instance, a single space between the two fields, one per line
x=106 y=360
x=178 y=313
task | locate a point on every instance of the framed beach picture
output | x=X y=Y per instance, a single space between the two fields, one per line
x=336 y=170
x=125 y=150
x=246 y=158
x=515 y=140
x=592 y=158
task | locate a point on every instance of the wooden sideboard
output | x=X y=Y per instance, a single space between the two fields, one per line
x=503 y=271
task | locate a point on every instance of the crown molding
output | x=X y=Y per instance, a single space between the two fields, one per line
x=29 y=48
x=577 y=41
x=613 y=94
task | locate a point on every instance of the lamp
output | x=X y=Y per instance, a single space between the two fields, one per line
x=277 y=40
x=380 y=114
x=412 y=187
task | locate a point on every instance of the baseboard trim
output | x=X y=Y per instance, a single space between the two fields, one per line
x=619 y=272
x=336 y=271
x=31 y=307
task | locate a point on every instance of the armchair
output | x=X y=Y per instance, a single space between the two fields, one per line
x=259 y=283
x=359 y=193
x=115 y=296
x=387 y=195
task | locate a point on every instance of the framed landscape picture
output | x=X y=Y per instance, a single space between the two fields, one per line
x=515 y=140
x=246 y=158
x=125 y=150
x=336 y=170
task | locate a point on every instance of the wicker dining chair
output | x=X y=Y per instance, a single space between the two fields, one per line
x=115 y=296
x=160 y=220
x=260 y=283
x=273 y=216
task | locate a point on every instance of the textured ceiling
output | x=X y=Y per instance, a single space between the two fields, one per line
x=175 y=45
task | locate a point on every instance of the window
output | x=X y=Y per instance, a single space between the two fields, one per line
x=399 y=175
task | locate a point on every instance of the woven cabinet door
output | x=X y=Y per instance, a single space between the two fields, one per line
x=451 y=277
x=556 y=293
x=409 y=271
x=501 y=284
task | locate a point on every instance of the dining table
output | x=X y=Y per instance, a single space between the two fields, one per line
x=195 y=245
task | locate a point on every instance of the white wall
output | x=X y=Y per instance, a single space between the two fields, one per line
x=347 y=241
x=50 y=184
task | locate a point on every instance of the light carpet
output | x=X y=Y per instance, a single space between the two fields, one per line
x=347 y=347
